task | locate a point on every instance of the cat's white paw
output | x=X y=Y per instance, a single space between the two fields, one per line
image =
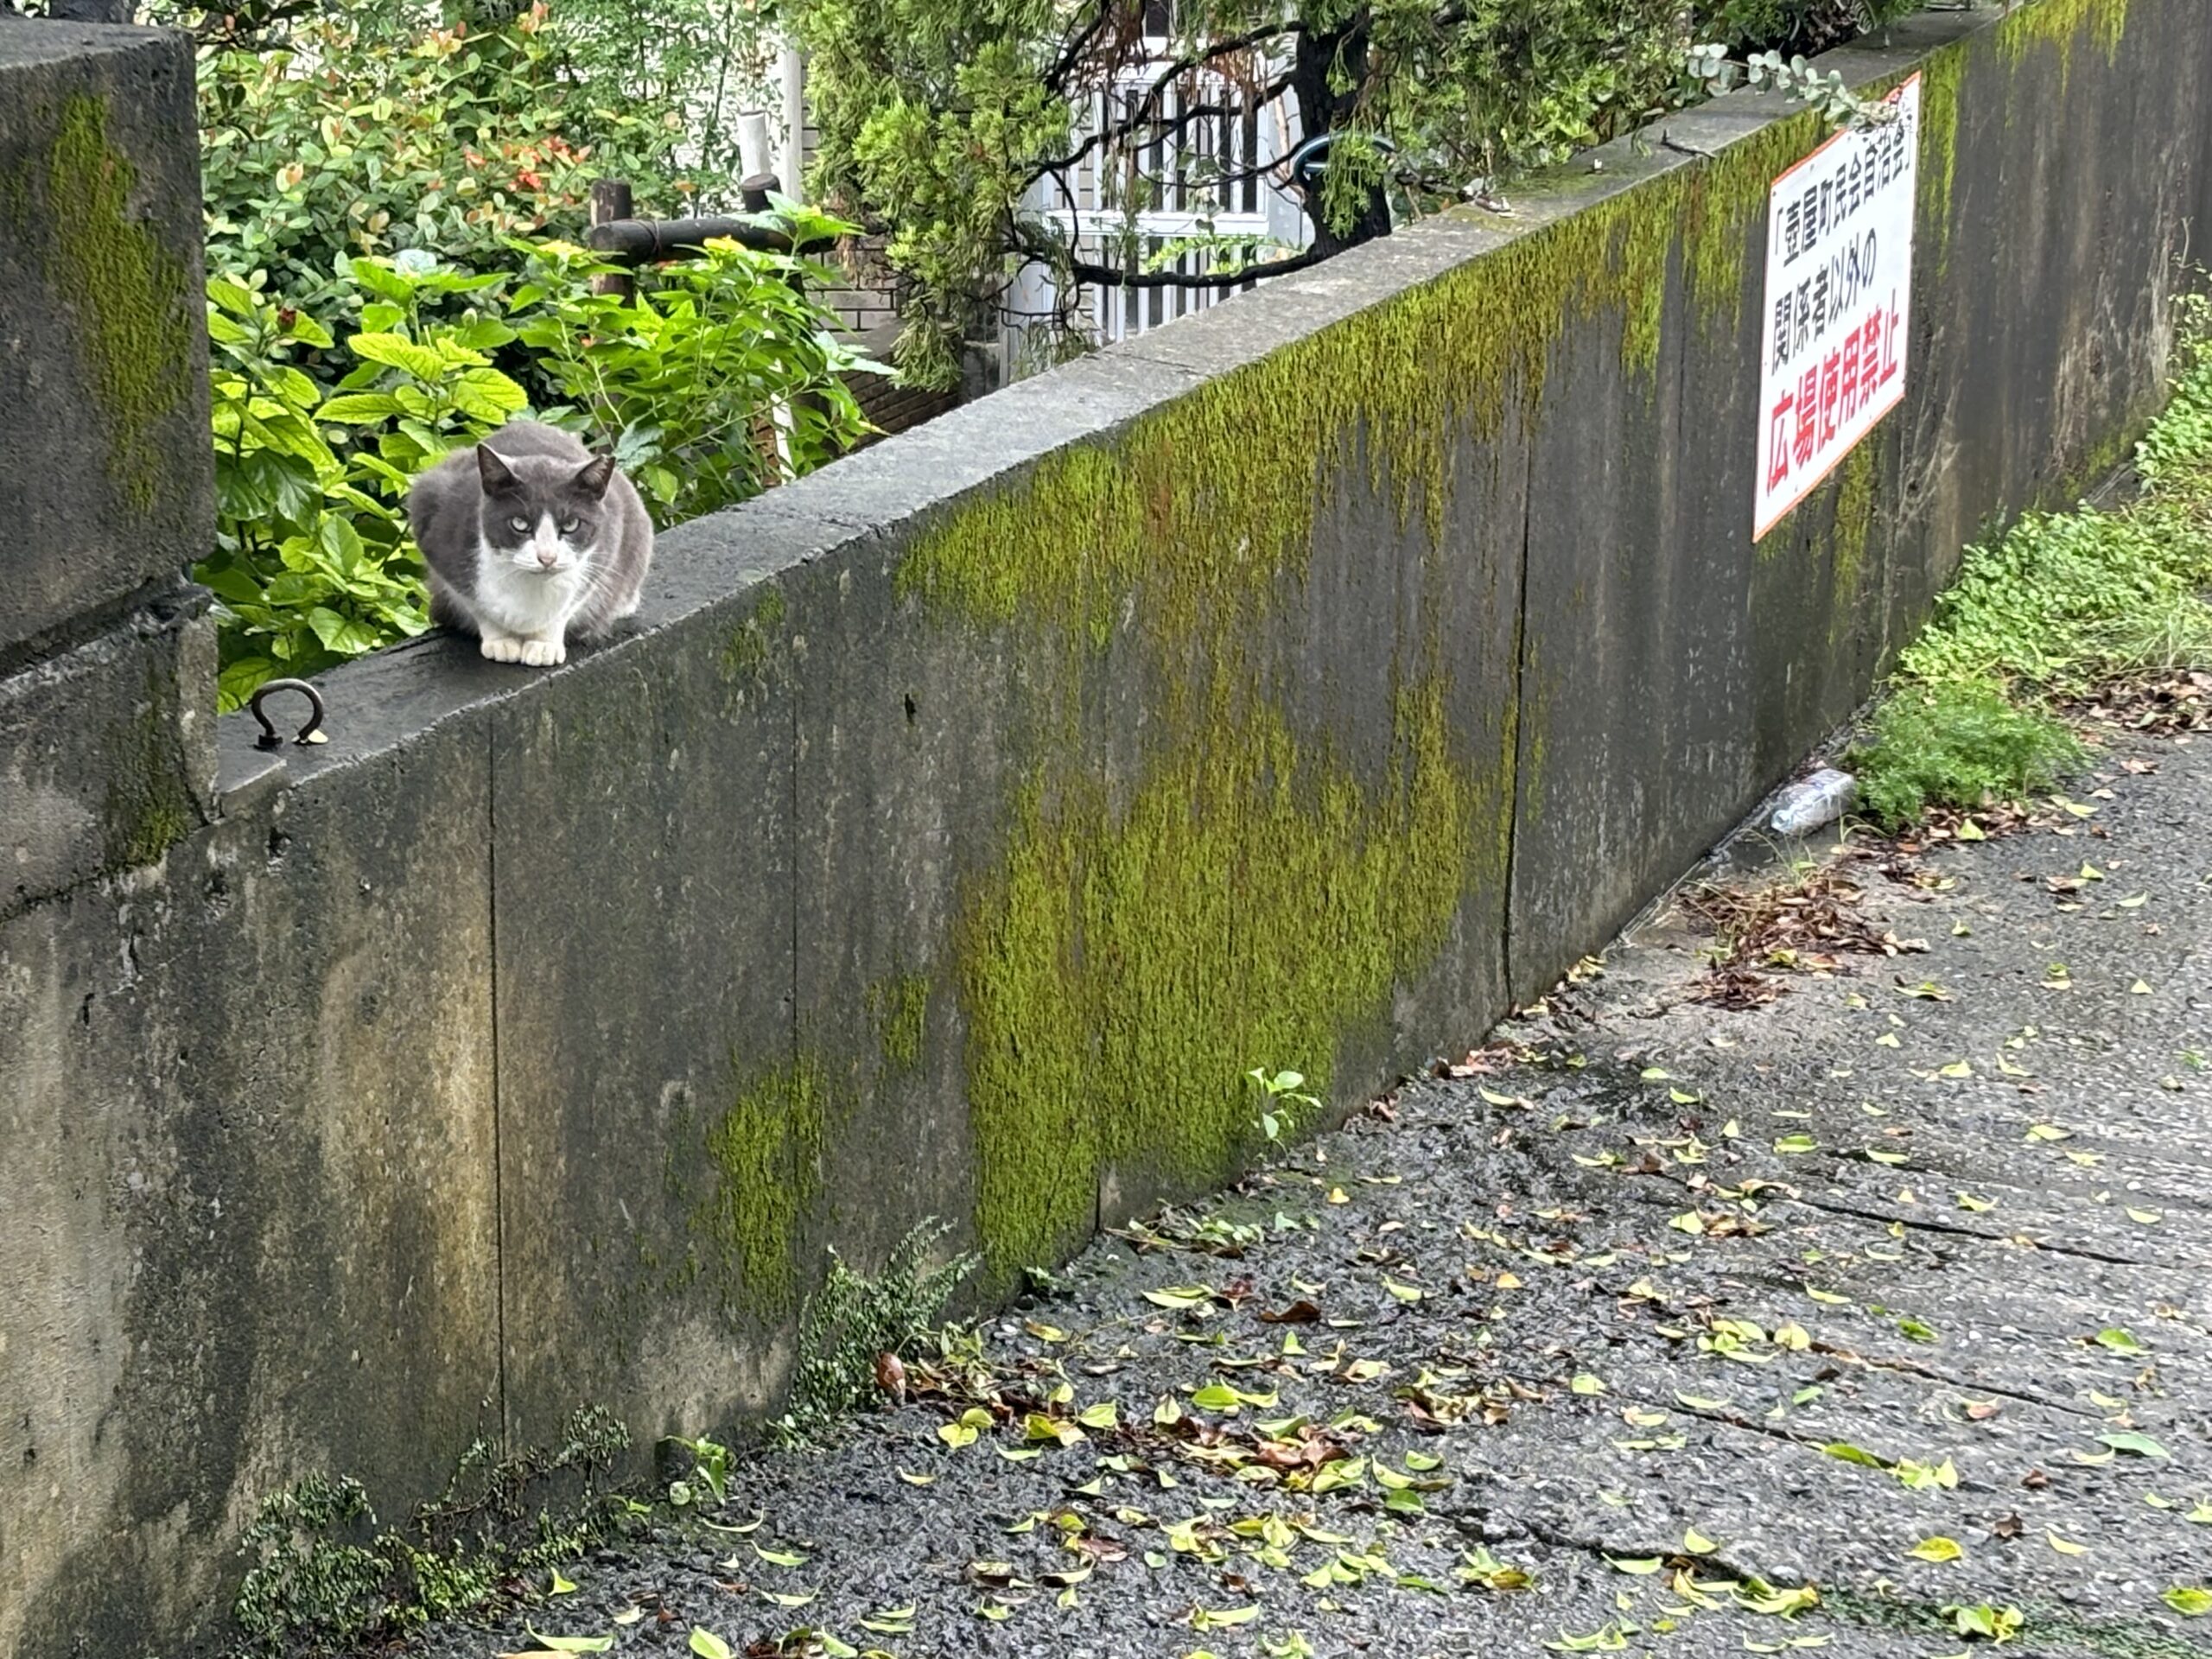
x=500 y=648
x=544 y=653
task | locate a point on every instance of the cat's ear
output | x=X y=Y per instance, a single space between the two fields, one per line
x=496 y=474
x=594 y=476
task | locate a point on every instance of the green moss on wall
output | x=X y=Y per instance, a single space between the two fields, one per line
x=898 y=1010
x=765 y=1155
x=752 y=645
x=2060 y=26
x=2052 y=25
x=1853 y=531
x=129 y=292
x=2097 y=465
x=1248 y=898
x=1209 y=499
x=1940 y=76
x=148 y=807
x=1247 y=904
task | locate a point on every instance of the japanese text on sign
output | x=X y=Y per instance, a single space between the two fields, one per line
x=1838 y=303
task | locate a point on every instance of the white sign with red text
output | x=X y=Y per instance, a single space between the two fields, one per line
x=1839 y=303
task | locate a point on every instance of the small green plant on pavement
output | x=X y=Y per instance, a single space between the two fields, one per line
x=854 y=1325
x=1283 y=1102
x=710 y=1462
x=1956 y=744
x=323 y=1577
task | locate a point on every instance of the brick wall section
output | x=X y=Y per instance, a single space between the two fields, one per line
x=888 y=405
x=867 y=299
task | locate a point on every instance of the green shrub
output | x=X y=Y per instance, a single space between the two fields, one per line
x=2060 y=606
x=678 y=380
x=364 y=136
x=312 y=564
x=2064 y=602
x=852 y=1319
x=1955 y=744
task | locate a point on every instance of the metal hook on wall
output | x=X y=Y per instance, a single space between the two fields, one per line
x=310 y=733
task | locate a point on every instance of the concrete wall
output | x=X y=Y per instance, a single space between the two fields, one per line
x=1294 y=686
x=106 y=738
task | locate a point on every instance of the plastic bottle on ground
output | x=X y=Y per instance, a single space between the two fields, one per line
x=1821 y=799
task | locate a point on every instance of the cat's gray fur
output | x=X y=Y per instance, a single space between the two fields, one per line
x=571 y=572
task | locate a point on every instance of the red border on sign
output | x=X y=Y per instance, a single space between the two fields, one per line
x=1761 y=531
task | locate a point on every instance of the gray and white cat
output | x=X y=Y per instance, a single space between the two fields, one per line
x=532 y=540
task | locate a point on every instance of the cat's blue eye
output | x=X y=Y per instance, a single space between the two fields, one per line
x=519 y=524
x=568 y=524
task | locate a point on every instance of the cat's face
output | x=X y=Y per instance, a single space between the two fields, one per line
x=542 y=515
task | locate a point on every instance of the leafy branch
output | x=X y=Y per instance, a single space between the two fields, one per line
x=1762 y=72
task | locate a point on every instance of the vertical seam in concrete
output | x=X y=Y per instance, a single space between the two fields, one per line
x=791 y=796
x=498 y=1163
x=1520 y=713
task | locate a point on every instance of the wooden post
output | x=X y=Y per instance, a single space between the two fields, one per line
x=610 y=200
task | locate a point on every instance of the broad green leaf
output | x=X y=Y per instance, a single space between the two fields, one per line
x=488 y=396
x=398 y=351
x=1182 y=1298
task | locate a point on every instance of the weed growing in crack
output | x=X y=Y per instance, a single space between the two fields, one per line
x=710 y=1462
x=1282 y=1104
x=323 y=1576
x=854 y=1322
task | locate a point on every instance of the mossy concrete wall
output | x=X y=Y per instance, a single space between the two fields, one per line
x=1296 y=686
x=106 y=489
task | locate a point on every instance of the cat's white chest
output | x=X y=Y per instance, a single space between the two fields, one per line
x=534 y=604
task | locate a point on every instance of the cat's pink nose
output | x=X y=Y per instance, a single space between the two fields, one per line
x=548 y=556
